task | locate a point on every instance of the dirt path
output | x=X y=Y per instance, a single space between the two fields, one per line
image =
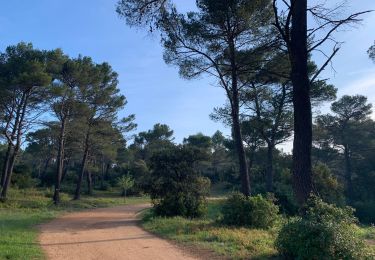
x=110 y=233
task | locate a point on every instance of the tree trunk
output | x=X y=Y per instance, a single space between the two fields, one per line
x=107 y=171
x=269 y=170
x=235 y=107
x=66 y=168
x=348 y=173
x=89 y=182
x=9 y=173
x=60 y=163
x=5 y=166
x=44 y=172
x=102 y=173
x=302 y=143
x=17 y=131
x=77 y=194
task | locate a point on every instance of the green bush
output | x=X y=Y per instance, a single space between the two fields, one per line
x=327 y=185
x=255 y=211
x=177 y=189
x=23 y=181
x=324 y=232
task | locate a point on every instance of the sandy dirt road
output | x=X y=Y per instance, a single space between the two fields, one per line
x=105 y=234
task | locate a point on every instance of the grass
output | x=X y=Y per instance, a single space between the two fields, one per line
x=236 y=243
x=229 y=242
x=367 y=232
x=25 y=209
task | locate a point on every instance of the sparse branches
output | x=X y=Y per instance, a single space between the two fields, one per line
x=142 y=12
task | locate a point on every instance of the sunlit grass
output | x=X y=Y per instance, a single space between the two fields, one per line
x=236 y=243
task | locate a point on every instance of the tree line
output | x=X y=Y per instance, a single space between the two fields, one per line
x=73 y=104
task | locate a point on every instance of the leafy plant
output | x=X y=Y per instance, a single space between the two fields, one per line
x=178 y=189
x=125 y=182
x=324 y=232
x=255 y=211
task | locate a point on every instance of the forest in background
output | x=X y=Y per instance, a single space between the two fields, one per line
x=60 y=127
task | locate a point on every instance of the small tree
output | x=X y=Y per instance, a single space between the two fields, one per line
x=350 y=114
x=125 y=182
x=177 y=188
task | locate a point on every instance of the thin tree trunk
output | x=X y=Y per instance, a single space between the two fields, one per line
x=60 y=163
x=44 y=172
x=16 y=125
x=5 y=166
x=348 y=173
x=89 y=182
x=302 y=143
x=8 y=178
x=107 y=171
x=102 y=173
x=235 y=107
x=19 y=128
x=77 y=194
x=269 y=170
x=66 y=168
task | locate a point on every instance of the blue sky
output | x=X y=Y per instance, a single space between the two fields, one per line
x=154 y=90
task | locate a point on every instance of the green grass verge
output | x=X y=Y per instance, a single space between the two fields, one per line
x=230 y=242
x=25 y=209
x=236 y=243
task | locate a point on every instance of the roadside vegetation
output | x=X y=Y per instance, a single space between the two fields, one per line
x=207 y=232
x=27 y=208
x=235 y=242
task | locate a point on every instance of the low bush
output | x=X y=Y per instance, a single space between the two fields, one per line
x=23 y=180
x=255 y=211
x=178 y=189
x=327 y=185
x=324 y=232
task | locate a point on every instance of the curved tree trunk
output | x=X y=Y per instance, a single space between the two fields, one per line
x=17 y=132
x=9 y=173
x=5 y=166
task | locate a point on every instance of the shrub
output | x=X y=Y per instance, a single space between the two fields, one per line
x=24 y=181
x=327 y=185
x=284 y=193
x=177 y=189
x=125 y=182
x=256 y=211
x=324 y=232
